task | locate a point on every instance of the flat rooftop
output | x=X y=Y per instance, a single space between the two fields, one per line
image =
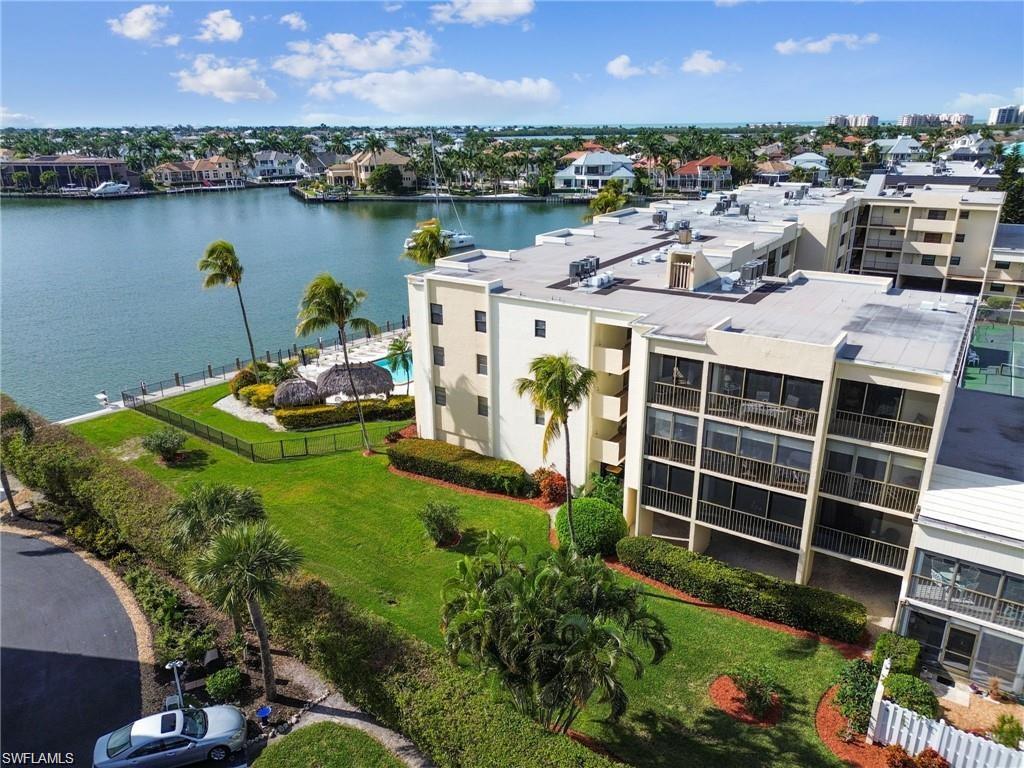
x=904 y=329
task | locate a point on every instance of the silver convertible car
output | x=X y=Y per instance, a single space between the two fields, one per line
x=178 y=737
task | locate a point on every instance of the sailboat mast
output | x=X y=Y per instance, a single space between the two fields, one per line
x=433 y=160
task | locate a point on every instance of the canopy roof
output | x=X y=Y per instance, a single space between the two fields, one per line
x=369 y=379
x=296 y=392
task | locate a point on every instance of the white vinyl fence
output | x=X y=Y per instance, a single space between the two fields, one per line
x=892 y=724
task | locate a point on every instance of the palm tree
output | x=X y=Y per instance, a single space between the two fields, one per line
x=327 y=302
x=243 y=566
x=14 y=419
x=429 y=244
x=400 y=357
x=374 y=144
x=222 y=267
x=559 y=386
x=206 y=509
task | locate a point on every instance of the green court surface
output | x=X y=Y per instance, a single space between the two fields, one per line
x=995 y=362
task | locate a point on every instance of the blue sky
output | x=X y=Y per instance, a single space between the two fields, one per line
x=510 y=61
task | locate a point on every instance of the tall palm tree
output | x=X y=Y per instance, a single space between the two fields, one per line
x=243 y=566
x=327 y=302
x=206 y=509
x=559 y=386
x=222 y=267
x=374 y=144
x=429 y=244
x=400 y=357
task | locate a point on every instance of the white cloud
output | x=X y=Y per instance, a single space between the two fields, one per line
x=220 y=26
x=981 y=102
x=334 y=53
x=212 y=76
x=294 y=22
x=622 y=68
x=480 y=12
x=392 y=7
x=701 y=63
x=727 y=3
x=141 y=23
x=825 y=44
x=433 y=94
x=172 y=40
x=9 y=119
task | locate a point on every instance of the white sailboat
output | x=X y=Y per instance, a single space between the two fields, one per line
x=455 y=238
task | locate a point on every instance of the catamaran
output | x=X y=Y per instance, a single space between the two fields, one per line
x=455 y=239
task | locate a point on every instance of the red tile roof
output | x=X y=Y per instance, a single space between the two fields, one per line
x=693 y=167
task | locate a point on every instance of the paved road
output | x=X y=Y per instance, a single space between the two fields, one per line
x=67 y=650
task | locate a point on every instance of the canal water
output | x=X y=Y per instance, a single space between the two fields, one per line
x=98 y=295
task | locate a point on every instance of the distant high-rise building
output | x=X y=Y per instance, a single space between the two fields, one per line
x=1007 y=115
x=840 y=121
x=852 y=121
x=956 y=118
x=919 y=120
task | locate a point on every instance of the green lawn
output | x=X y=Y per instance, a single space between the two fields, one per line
x=326 y=745
x=355 y=522
x=198 y=405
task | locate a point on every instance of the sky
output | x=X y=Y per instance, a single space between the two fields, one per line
x=502 y=62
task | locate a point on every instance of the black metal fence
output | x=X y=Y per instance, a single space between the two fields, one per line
x=268 y=450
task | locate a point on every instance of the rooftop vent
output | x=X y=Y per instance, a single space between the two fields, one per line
x=582 y=269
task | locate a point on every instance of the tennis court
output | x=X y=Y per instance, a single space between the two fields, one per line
x=995 y=361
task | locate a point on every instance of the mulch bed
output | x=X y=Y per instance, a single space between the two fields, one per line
x=731 y=700
x=538 y=503
x=848 y=650
x=830 y=722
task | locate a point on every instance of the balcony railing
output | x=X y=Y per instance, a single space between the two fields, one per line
x=674 y=396
x=667 y=501
x=870 y=491
x=881 y=221
x=860 y=547
x=683 y=453
x=878 y=430
x=1006 y=613
x=759 y=471
x=885 y=245
x=763 y=414
x=758 y=527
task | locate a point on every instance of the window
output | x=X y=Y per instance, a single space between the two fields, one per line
x=937 y=214
x=481 y=365
x=721 y=437
x=997 y=287
x=540 y=328
x=927 y=261
x=1001 y=265
x=842 y=239
x=538 y=416
x=480 y=320
x=959 y=238
x=965 y=214
x=932 y=237
x=678 y=371
x=436 y=314
x=892 y=233
x=482 y=408
x=440 y=396
x=439 y=356
x=954 y=261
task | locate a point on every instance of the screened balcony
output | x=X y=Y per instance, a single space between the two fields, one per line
x=667 y=488
x=969 y=589
x=764 y=399
x=671 y=436
x=763 y=457
x=887 y=415
x=763 y=515
x=871 y=537
x=872 y=476
x=675 y=382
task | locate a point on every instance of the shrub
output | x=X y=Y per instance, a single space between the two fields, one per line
x=244 y=378
x=929 y=758
x=413 y=688
x=758 y=686
x=897 y=757
x=177 y=635
x=441 y=522
x=912 y=693
x=314 y=416
x=96 y=535
x=1008 y=731
x=461 y=466
x=312 y=353
x=550 y=485
x=597 y=523
x=166 y=443
x=327 y=744
x=607 y=488
x=224 y=684
x=258 y=396
x=856 y=693
x=754 y=594
x=904 y=652
x=999 y=302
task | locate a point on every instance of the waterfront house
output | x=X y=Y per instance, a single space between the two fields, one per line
x=355 y=171
x=899 y=150
x=69 y=169
x=217 y=169
x=969 y=147
x=815 y=164
x=270 y=164
x=709 y=174
x=593 y=169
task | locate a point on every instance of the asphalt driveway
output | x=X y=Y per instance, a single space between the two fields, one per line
x=69 y=666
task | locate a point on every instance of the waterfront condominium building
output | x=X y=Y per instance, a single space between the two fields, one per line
x=853 y=121
x=786 y=423
x=918 y=120
x=1008 y=115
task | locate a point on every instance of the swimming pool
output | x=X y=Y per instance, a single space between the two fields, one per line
x=399 y=376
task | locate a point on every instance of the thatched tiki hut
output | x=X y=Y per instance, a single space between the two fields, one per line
x=369 y=379
x=296 y=392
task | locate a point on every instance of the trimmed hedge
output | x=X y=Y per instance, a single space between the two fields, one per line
x=856 y=693
x=905 y=653
x=413 y=688
x=912 y=693
x=244 y=378
x=754 y=594
x=258 y=396
x=461 y=466
x=313 y=416
x=598 y=526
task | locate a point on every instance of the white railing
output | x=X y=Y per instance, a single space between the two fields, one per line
x=877 y=492
x=755 y=526
x=860 y=547
x=878 y=430
x=763 y=414
x=682 y=453
x=1006 y=613
x=667 y=501
x=745 y=468
x=674 y=396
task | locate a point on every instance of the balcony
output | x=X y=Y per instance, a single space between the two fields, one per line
x=869 y=491
x=883 y=244
x=611 y=407
x=857 y=547
x=763 y=472
x=755 y=526
x=875 y=429
x=610 y=450
x=763 y=414
x=921 y=248
x=947 y=226
x=674 y=396
x=681 y=453
x=881 y=221
x=611 y=360
x=666 y=501
x=979 y=605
